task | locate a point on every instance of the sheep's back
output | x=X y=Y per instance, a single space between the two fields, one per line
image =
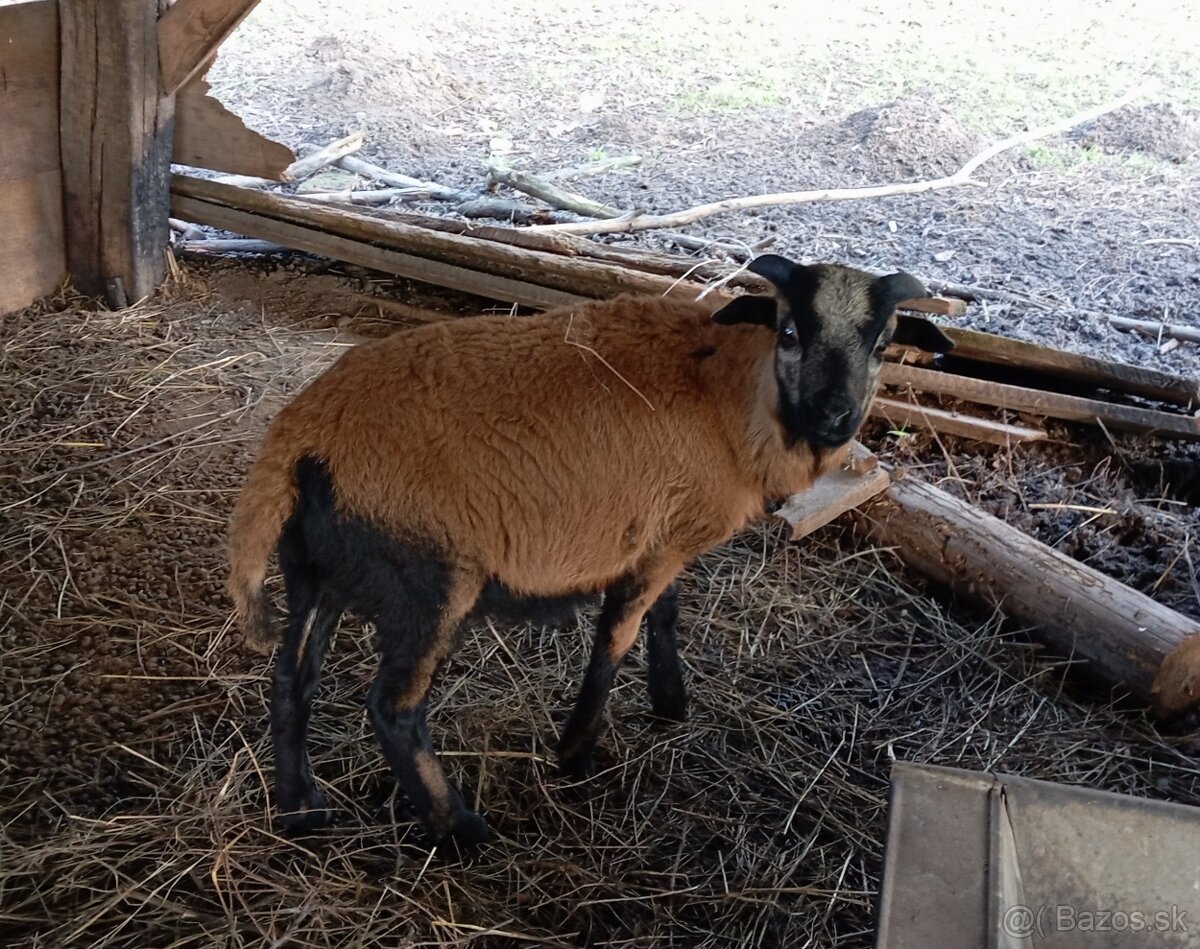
x=554 y=451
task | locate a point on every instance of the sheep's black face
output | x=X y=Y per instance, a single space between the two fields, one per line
x=831 y=327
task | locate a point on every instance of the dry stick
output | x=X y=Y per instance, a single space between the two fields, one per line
x=476 y=207
x=551 y=194
x=914 y=415
x=245 y=181
x=1151 y=328
x=236 y=245
x=312 y=163
x=468 y=203
x=435 y=191
x=642 y=222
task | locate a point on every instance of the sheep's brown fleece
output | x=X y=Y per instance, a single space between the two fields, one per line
x=553 y=453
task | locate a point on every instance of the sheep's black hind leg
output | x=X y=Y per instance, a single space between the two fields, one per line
x=296 y=676
x=664 y=673
x=414 y=640
x=625 y=602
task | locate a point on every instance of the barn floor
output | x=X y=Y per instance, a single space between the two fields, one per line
x=133 y=800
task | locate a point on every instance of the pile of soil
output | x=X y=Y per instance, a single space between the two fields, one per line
x=912 y=137
x=1161 y=130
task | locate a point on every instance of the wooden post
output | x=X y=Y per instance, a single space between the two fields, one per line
x=115 y=129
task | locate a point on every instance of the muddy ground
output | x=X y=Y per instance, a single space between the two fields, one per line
x=134 y=799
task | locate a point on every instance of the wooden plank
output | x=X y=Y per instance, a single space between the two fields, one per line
x=572 y=275
x=907 y=415
x=1053 y=404
x=1123 y=635
x=1102 y=373
x=32 y=257
x=364 y=254
x=115 y=135
x=189 y=33
x=208 y=135
x=835 y=493
x=28 y=89
x=942 y=306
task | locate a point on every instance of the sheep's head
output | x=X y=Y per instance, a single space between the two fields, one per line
x=831 y=326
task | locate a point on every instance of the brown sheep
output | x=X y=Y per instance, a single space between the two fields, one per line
x=468 y=465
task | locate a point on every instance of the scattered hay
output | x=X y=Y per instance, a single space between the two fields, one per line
x=134 y=772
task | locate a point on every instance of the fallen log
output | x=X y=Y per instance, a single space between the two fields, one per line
x=1052 y=404
x=907 y=415
x=1122 y=634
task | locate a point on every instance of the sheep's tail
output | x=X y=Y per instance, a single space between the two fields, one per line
x=266 y=502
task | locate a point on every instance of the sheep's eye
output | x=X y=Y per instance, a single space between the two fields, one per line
x=788 y=337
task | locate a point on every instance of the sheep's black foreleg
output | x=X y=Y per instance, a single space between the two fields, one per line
x=295 y=679
x=625 y=603
x=664 y=673
x=413 y=645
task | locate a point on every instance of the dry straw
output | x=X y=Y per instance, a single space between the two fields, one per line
x=134 y=773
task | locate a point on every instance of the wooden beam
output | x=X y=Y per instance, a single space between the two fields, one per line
x=909 y=415
x=115 y=134
x=208 y=135
x=32 y=257
x=189 y=33
x=365 y=254
x=1081 y=613
x=1021 y=399
x=835 y=493
x=571 y=275
x=1101 y=373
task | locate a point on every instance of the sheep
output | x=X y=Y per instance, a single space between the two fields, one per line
x=495 y=463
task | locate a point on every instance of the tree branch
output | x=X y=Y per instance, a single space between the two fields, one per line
x=635 y=221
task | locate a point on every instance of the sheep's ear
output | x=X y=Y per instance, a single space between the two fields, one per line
x=914 y=331
x=895 y=288
x=761 y=311
x=778 y=270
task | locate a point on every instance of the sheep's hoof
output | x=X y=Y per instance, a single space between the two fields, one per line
x=578 y=765
x=470 y=830
x=313 y=813
x=671 y=708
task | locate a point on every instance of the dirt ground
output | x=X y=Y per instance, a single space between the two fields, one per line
x=134 y=800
